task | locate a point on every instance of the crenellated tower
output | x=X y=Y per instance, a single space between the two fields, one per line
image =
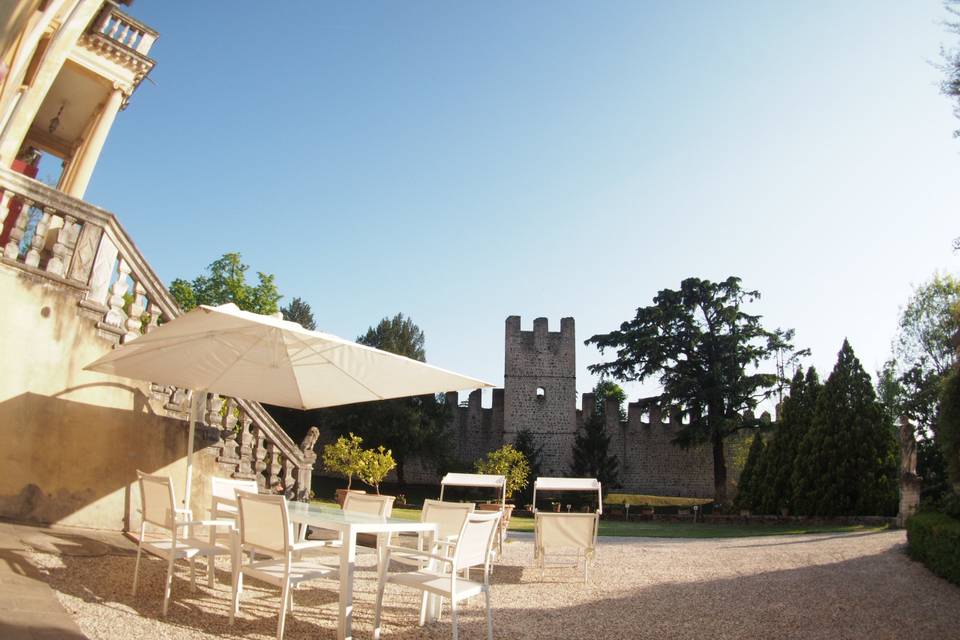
x=540 y=388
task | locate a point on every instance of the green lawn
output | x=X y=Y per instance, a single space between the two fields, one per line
x=654 y=529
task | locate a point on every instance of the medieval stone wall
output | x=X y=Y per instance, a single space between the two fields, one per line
x=540 y=395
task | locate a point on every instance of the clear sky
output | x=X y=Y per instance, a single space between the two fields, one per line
x=462 y=162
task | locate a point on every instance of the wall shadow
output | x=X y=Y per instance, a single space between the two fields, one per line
x=62 y=455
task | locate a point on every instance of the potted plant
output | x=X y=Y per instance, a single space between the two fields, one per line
x=345 y=457
x=510 y=463
x=375 y=464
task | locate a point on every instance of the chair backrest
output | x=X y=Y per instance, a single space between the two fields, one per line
x=372 y=505
x=475 y=540
x=566 y=530
x=264 y=523
x=226 y=489
x=157 y=499
x=448 y=516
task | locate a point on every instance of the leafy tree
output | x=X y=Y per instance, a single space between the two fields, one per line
x=226 y=281
x=948 y=428
x=299 y=311
x=750 y=480
x=345 y=456
x=705 y=351
x=409 y=427
x=591 y=447
x=525 y=444
x=375 y=464
x=778 y=465
x=506 y=461
x=910 y=383
x=847 y=461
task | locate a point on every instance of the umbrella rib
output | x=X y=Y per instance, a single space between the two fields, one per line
x=239 y=357
x=340 y=369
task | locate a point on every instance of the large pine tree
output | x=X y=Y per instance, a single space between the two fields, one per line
x=847 y=464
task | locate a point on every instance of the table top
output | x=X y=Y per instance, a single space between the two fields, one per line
x=333 y=518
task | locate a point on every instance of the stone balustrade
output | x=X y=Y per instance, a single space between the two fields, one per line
x=119 y=28
x=72 y=243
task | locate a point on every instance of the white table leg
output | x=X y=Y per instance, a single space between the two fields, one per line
x=348 y=558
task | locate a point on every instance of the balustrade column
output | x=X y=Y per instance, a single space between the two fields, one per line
x=12 y=250
x=115 y=316
x=39 y=236
x=63 y=247
x=134 y=319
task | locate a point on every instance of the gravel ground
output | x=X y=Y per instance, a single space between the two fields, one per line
x=817 y=586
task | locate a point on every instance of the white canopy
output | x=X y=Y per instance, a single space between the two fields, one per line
x=247 y=355
x=474 y=480
x=568 y=484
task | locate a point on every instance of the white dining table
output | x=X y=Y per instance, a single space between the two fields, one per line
x=349 y=524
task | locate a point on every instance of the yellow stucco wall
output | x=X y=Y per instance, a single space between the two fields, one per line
x=73 y=440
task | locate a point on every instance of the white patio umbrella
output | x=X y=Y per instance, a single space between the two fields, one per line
x=236 y=353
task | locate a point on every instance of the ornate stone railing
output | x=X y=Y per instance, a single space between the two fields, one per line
x=77 y=245
x=116 y=27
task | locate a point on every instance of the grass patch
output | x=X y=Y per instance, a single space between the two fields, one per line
x=654 y=529
x=636 y=499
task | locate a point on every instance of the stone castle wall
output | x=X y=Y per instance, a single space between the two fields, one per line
x=540 y=395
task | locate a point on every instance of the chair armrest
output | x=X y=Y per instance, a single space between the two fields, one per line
x=207 y=523
x=419 y=554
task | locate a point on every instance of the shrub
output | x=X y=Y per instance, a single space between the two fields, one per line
x=934 y=540
x=948 y=426
x=506 y=461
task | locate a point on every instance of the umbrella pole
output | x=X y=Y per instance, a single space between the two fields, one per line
x=194 y=416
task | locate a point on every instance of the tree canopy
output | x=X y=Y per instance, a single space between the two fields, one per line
x=225 y=281
x=299 y=311
x=705 y=351
x=591 y=447
x=407 y=426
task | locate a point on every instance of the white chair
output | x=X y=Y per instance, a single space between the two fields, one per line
x=449 y=518
x=159 y=509
x=224 y=507
x=372 y=505
x=563 y=532
x=265 y=529
x=442 y=577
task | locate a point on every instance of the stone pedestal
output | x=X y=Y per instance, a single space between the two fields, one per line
x=909 y=497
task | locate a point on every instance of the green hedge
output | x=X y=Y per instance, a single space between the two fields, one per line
x=934 y=540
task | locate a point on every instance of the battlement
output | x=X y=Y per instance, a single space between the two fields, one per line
x=639 y=415
x=541 y=327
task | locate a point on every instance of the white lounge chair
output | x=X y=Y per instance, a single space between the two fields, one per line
x=265 y=530
x=442 y=577
x=175 y=538
x=485 y=481
x=566 y=534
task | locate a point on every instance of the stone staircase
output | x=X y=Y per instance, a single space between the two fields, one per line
x=74 y=244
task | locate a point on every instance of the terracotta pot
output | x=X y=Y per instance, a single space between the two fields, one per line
x=342 y=494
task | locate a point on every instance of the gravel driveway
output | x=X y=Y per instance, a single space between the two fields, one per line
x=846 y=586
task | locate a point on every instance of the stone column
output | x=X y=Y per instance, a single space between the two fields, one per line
x=83 y=164
x=910 y=482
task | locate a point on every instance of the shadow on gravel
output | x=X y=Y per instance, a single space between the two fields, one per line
x=821 y=537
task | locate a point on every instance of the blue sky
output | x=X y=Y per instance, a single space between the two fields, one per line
x=462 y=162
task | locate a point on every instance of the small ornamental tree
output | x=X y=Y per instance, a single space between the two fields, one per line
x=375 y=464
x=506 y=461
x=345 y=456
x=750 y=481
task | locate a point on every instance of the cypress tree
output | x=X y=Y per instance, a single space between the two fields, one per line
x=847 y=459
x=749 y=488
x=591 y=447
x=778 y=464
